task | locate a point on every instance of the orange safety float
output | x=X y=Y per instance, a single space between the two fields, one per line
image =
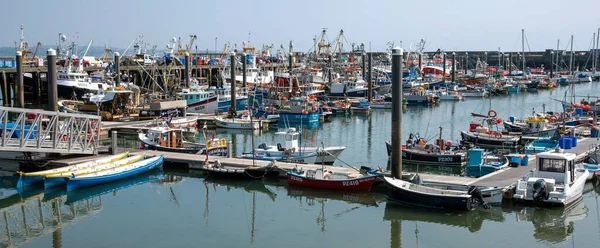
x=553 y=118
x=492 y=112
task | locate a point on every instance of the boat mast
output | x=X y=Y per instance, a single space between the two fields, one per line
x=571 y=60
x=596 y=51
x=523 y=49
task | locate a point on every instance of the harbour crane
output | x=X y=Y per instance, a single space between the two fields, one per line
x=338 y=43
x=323 y=46
x=37 y=47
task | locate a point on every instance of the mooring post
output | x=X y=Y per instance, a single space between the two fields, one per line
x=509 y=64
x=233 y=103
x=370 y=80
x=420 y=63
x=229 y=149
x=364 y=61
x=5 y=96
x=466 y=63
x=113 y=142
x=37 y=95
x=51 y=79
x=19 y=91
x=397 y=112
x=453 y=66
x=117 y=61
x=444 y=66
x=187 y=70
x=244 y=71
x=551 y=63
x=290 y=66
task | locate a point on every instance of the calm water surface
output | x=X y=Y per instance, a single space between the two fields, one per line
x=185 y=209
x=179 y=209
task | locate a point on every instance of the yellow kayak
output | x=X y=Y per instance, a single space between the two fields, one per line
x=79 y=166
x=92 y=169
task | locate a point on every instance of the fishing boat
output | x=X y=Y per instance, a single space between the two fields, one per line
x=381 y=104
x=325 y=179
x=532 y=126
x=555 y=181
x=58 y=179
x=70 y=106
x=490 y=139
x=31 y=178
x=418 y=151
x=413 y=194
x=249 y=172
x=306 y=158
x=351 y=88
x=237 y=123
x=293 y=149
x=115 y=173
x=450 y=96
x=541 y=145
x=363 y=108
x=481 y=133
x=482 y=163
x=169 y=140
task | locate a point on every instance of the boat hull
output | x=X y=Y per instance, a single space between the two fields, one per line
x=357 y=184
x=299 y=117
x=488 y=141
x=206 y=106
x=84 y=182
x=413 y=198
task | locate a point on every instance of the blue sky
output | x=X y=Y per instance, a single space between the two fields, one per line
x=449 y=25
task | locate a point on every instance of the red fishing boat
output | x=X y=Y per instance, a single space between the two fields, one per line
x=325 y=179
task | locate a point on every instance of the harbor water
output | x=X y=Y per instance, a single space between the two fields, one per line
x=181 y=208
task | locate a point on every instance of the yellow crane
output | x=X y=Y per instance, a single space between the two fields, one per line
x=323 y=46
x=338 y=42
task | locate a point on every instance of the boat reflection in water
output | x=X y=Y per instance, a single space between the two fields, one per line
x=314 y=196
x=550 y=224
x=472 y=220
x=554 y=224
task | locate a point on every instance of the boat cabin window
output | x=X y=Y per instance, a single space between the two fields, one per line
x=552 y=165
x=290 y=137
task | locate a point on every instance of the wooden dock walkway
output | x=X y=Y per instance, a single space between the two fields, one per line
x=501 y=178
x=510 y=176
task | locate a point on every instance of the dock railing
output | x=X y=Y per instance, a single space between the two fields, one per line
x=34 y=130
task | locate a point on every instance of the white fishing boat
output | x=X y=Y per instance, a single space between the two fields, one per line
x=293 y=149
x=450 y=96
x=555 y=181
x=237 y=123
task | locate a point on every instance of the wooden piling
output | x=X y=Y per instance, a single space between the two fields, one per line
x=19 y=90
x=370 y=80
x=51 y=79
x=5 y=96
x=397 y=112
x=117 y=69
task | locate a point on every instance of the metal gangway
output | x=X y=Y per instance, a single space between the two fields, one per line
x=33 y=130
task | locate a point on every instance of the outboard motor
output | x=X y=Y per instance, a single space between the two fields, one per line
x=280 y=148
x=540 y=191
x=476 y=195
x=417 y=179
x=262 y=146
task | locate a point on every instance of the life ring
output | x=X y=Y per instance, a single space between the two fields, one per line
x=553 y=118
x=223 y=142
x=209 y=144
x=498 y=135
x=492 y=112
